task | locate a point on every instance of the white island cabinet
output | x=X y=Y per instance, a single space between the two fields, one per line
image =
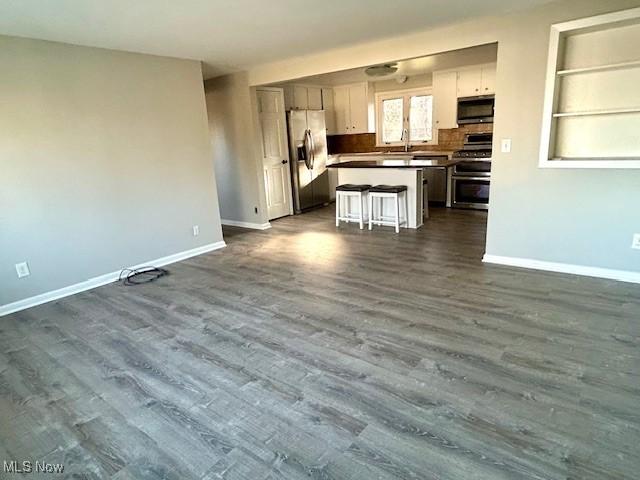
x=391 y=171
x=411 y=177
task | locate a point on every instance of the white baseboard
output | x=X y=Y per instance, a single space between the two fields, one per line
x=620 y=275
x=103 y=280
x=254 y=226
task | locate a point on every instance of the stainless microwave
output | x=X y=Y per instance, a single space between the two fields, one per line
x=476 y=109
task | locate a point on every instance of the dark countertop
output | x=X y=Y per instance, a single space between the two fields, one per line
x=431 y=162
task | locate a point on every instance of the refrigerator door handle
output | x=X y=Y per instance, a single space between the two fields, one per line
x=308 y=149
x=313 y=150
x=305 y=144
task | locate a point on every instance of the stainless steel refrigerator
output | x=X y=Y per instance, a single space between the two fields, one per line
x=308 y=149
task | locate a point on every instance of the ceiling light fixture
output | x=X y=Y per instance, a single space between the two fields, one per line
x=381 y=70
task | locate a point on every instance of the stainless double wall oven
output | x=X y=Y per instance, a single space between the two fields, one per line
x=471 y=176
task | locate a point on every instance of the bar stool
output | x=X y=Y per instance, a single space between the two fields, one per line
x=388 y=191
x=343 y=205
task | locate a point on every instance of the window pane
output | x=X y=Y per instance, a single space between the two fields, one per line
x=420 y=118
x=392 y=122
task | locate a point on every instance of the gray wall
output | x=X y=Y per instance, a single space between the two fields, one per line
x=232 y=112
x=105 y=162
x=580 y=217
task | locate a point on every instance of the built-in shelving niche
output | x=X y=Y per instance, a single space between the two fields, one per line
x=592 y=97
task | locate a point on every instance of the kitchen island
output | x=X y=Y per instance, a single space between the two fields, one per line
x=402 y=170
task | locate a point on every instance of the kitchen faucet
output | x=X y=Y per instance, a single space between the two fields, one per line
x=405 y=136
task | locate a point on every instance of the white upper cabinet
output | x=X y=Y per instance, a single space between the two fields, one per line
x=302 y=97
x=342 y=109
x=359 y=108
x=314 y=98
x=469 y=81
x=329 y=110
x=351 y=104
x=445 y=101
x=346 y=107
x=488 y=81
x=300 y=100
x=477 y=80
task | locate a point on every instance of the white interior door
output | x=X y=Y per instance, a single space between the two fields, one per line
x=275 y=154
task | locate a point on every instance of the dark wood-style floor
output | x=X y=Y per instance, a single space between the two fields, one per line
x=309 y=352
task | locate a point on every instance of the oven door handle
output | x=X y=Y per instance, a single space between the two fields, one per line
x=465 y=177
x=471 y=172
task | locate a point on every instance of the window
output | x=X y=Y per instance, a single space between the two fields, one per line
x=392 y=120
x=404 y=116
x=420 y=108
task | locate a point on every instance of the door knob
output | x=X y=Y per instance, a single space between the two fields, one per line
x=285 y=161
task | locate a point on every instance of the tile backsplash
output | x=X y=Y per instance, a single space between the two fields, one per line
x=448 y=140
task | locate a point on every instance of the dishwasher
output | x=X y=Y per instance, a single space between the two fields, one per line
x=436 y=180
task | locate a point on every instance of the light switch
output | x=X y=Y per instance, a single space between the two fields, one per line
x=505 y=146
x=22 y=269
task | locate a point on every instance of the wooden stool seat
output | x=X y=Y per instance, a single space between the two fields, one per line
x=344 y=193
x=381 y=192
x=388 y=188
x=350 y=187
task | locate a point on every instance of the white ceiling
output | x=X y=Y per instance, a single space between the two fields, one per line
x=231 y=35
x=410 y=68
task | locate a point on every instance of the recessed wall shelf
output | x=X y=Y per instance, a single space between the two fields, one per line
x=613 y=111
x=621 y=159
x=592 y=121
x=599 y=68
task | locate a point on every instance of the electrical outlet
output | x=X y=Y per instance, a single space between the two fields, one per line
x=505 y=145
x=22 y=269
x=636 y=241
x=196 y=230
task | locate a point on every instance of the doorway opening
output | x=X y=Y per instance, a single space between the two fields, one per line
x=422 y=109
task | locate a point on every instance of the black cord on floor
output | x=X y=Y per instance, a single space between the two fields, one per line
x=137 y=276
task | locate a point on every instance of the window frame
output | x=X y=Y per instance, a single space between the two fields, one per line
x=406 y=95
